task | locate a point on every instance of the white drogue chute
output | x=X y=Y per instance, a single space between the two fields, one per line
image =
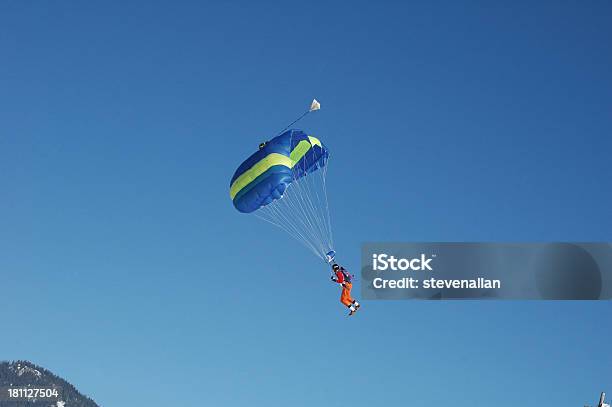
x=315 y=105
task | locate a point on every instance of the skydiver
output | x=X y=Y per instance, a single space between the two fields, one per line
x=344 y=278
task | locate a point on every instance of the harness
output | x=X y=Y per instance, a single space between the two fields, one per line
x=347 y=276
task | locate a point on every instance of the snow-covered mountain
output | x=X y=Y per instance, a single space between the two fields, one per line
x=23 y=375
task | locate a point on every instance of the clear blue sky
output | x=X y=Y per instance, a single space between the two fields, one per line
x=125 y=268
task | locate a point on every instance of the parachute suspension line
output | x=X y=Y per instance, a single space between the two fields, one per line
x=278 y=218
x=289 y=214
x=311 y=188
x=304 y=206
x=326 y=210
x=312 y=191
x=303 y=211
x=306 y=203
x=298 y=215
x=269 y=216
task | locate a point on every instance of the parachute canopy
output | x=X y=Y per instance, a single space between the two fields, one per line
x=284 y=184
x=265 y=175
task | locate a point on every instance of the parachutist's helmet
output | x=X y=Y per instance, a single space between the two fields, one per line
x=335 y=267
x=262 y=145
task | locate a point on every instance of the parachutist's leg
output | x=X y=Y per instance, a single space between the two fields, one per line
x=347 y=288
x=345 y=297
x=352 y=309
x=345 y=301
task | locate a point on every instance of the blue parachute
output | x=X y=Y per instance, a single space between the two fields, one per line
x=284 y=183
x=265 y=175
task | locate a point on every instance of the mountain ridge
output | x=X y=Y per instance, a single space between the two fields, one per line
x=23 y=374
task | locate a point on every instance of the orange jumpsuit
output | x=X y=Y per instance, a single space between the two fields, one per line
x=345 y=296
